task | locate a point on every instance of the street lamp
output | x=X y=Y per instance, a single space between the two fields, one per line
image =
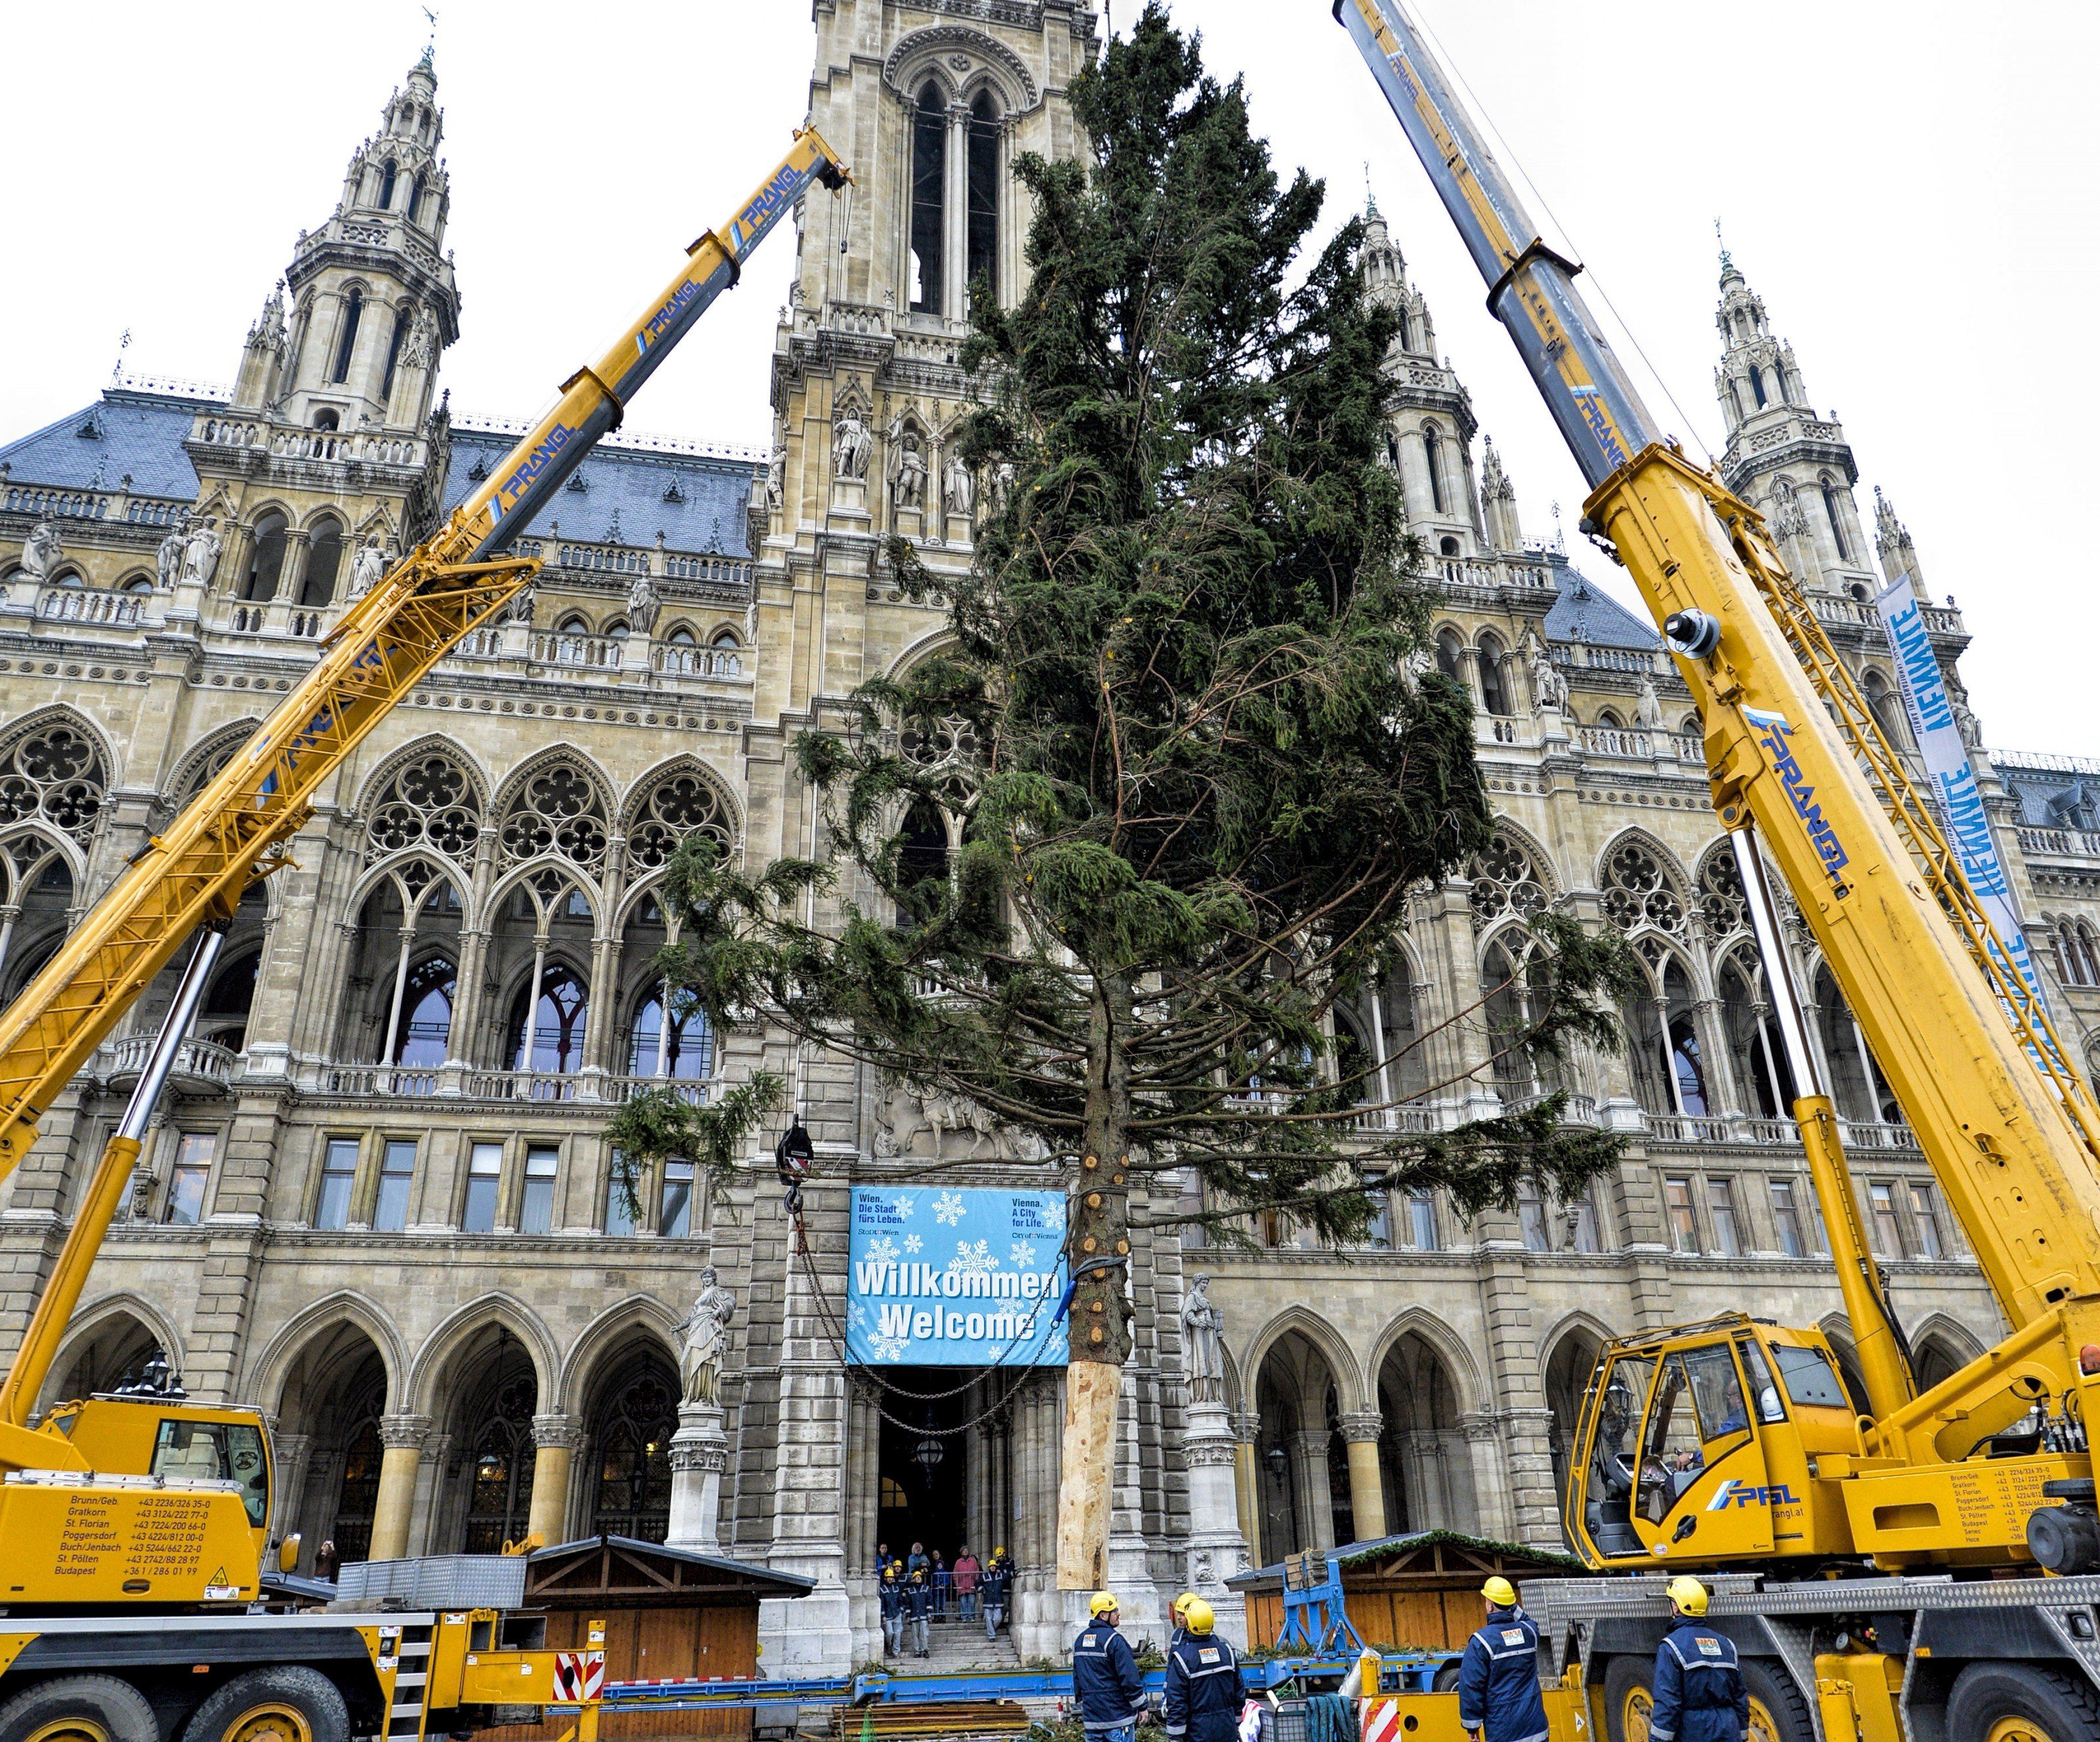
x=1278 y=1462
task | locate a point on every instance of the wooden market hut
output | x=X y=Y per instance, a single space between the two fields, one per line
x=670 y=1614
x=1420 y=1591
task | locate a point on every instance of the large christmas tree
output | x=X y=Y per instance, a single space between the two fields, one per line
x=1198 y=759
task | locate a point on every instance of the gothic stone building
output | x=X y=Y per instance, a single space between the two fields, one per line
x=378 y=1202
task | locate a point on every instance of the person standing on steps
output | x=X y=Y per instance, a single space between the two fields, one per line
x=1498 y=1698
x=921 y=1594
x=1105 y=1674
x=998 y=1591
x=966 y=1572
x=1698 y=1692
x=892 y=1593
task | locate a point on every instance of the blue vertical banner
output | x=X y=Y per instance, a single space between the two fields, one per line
x=1954 y=780
x=949 y=1277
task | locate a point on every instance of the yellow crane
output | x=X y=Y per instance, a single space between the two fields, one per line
x=1730 y=1444
x=142 y=1499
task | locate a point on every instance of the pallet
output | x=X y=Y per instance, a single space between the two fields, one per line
x=949 y=1718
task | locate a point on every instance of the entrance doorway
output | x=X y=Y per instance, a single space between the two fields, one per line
x=925 y=1467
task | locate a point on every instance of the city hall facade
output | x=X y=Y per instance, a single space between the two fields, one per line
x=379 y=1203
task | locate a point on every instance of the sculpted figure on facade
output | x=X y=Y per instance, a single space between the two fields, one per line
x=705 y=1341
x=961 y=485
x=521 y=607
x=420 y=350
x=1549 y=689
x=367 y=567
x=644 y=604
x=776 y=483
x=853 y=446
x=1203 y=1333
x=907 y=470
x=1647 y=707
x=168 y=559
x=1002 y=486
x=40 y=554
x=201 y=553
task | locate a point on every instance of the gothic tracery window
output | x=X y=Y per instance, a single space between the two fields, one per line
x=265 y=562
x=55 y=774
x=499 y=1445
x=1722 y=902
x=1505 y=881
x=631 y=1437
x=1433 y=448
x=675 y=808
x=982 y=226
x=1837 y=522
x=1638 y=891
x=429 y=803
x=353 y=312
x=559 y=810
x=323 y=560
x=929 y=179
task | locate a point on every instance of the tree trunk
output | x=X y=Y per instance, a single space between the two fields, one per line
x=1098 y=1333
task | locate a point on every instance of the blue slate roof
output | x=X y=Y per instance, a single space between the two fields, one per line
x=628 y=496
x=124 y=431
x=1584 y=611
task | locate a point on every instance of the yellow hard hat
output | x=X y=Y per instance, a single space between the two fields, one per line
x=1184 y=1600
x=1198 y=1614
x=1499 y=1590
x=1688 y=1596
x=999 y=1551
x=1103 y=1603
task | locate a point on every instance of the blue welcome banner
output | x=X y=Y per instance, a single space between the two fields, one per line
x=955 y=1278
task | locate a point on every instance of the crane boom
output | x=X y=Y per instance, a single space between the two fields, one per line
x=197 y=867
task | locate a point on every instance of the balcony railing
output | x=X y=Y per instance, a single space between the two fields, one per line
x=2060 y=843
x=1688 y=1128
x=380 y=1079
x=1639 y=745
x=196 y=1061
x=1860 y=1134
x=574 y=647
x=80 y=605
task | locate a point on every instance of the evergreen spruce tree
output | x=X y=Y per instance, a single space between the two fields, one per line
x=1199 y=759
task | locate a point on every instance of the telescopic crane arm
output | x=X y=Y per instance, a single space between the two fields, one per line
x=193 y=873
x=2008 y=1127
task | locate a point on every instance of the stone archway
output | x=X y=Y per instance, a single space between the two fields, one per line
x=328 y=1445
x=1297 y=1446
x=1425 y=1458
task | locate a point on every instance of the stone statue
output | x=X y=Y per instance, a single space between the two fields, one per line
x=706 y=1334
x=1647 y=707
x=420 y=350
x=1002 y=486
x=1965 y=722
x=961 y=485
x=1204 y=1329
x=907 y=472
x=367 y=567
x=201 y=553
x=776 y=483
x=1416 y=666
x=40 y=552
x=853 y=446
x=1549 y=689
x=168 y=564
x=520 y=610
x=644 y=604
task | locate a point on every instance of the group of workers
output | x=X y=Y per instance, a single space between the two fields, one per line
x=1698 y=1689
x=913 y=1591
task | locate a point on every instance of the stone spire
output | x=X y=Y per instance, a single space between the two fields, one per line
x=262 y=357
x=1499 y=502
x=1899 y=555
x=1757 y=371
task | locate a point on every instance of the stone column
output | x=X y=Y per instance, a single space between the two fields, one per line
x=289 y=1453
x=1366 y=1480
x=1246 y=1481
x=401 y=1438
x=1491 y=1496
x=1217 y=1547
x=1315 y=1498
x=699 y=1454
x=554 y=1438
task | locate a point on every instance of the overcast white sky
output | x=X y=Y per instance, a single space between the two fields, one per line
x=1909 y=184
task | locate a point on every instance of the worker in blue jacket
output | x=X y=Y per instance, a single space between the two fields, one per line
x=893 y=1608
x=1104 y=1676
x=1204 y=1694
x=1698 y=1692
x=1498 y=1699
x=918 y=1595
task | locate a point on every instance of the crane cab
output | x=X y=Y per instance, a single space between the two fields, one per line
x=1700 y=1442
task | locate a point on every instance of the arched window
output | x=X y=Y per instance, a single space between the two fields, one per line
x=1447 y=545
x=499 y=1444
x=1433 y=449
x=387 y=174
x=357 y=1494
x=353 y=312
x=546 y=1033
x=415 y=196
x=728 y=654
x=2075 y=952
x=1401 y=330
x=1735 y=394
x=1494 y=684
x=327 y=418
x=139 y=584
x=983 y=234
x=323 y=561
x=632 y=1431
x=1887 y=708
x=929 y=179
x=266 y=561
x=223 y=1020
x=1610 y=720
x=427 y=1014
x=922 y=858
x=1518 y=990
x=1450 y=658
x=1754 y=1045
x=403 y=318
x=683 y=637
x=1837 y=523
x=1669 y=1072
x=1857 y=1085
x=1757 y=386
x=685 y=1052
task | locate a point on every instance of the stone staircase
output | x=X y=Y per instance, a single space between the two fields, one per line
x=957 y=1646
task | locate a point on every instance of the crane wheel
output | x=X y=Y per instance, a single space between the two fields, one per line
x=2019 y=1702
x=1629 y=1698
x=1778 y=1712
x=79 y=1709
x=284 y=1703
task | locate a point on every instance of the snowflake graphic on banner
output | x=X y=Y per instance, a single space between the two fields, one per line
x=857 y=1316
x=906 y=1204
x=1023 y=1253
x=913 y=1245
x=888 y=1348
x=977 y=1258
x=883 y=1250
x=948 y=1208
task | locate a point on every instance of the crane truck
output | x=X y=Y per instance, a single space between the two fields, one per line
x=134 y=1525
x=1923 y=1569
